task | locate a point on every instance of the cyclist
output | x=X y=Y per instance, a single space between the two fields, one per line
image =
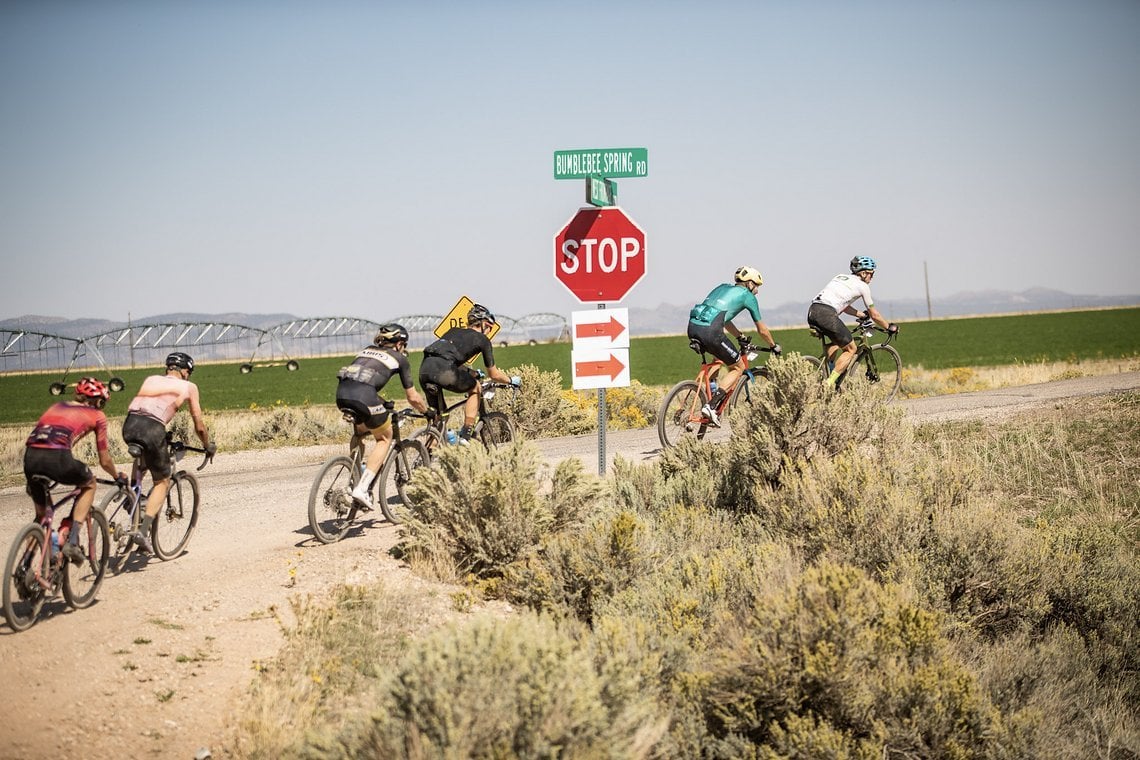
x=153 y=407
x=445 y=365
x=48 y=453
x=358 y=396
x=837 y=298
x=710 y=323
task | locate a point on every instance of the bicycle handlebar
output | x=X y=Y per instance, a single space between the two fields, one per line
x=867 y=323
x=177 y=446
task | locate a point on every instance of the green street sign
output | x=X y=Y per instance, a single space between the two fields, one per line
x=601 y=162
x=601 y=191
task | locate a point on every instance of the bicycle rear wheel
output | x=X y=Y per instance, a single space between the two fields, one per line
x=80 y=582
x=496 y=429
x=175 y=522
x=24 y=597
x=331 y=507
x=401 y=464
x=876 y=376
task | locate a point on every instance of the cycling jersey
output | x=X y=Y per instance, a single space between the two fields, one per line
x=66 y=422
x=844 y=290
x=375 y=366
x=726 y=299
x=462 y=344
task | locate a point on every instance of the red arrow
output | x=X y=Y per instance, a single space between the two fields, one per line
x=613 y=329
x=611 y=367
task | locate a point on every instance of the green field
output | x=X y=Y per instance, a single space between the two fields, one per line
x=941 y=344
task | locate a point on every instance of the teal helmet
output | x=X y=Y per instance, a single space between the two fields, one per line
x=862 y=263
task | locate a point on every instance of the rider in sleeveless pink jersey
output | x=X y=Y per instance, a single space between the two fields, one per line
x=155 y=405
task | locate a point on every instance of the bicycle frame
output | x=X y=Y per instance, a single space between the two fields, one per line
x=435 y=431
x=885 y=386
x=35 y=571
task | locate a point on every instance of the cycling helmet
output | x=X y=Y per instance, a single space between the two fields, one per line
x=181 y=361
x=391 y=333
x=89 y=387
x=748 y=274
x=862 y=263
x=479 y=313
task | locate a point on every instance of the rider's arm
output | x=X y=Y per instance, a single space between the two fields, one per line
x=416 y=400
x=196 y=416
x=497 y=374
x=877 y=318
x=763 y=331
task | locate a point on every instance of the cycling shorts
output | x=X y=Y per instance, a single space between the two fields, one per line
x=151 y=435
x=715 y=340
x=825 y=319
x=445 y=374
x=362 y=403
x=57 y=464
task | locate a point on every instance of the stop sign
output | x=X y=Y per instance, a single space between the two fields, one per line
x=599 y=255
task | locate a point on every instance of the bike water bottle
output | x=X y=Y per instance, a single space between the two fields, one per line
x=452 y=437
x=54 y=544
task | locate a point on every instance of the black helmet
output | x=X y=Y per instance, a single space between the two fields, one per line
x=479 y=313
x=180 y=360
x=390 y=333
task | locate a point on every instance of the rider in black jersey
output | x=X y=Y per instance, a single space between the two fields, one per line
x=445 y=365
x=358 y=396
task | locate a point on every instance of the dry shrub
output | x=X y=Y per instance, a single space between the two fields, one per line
x=838 y=660
x=524 y=687
x=479 y=511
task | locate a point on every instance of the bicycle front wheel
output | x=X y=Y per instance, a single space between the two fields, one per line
x=875 y=374
x=175 y=522
x=401 y=464
x=80 y=582
x=24 y=596
x=496 y=429
x=331 y=507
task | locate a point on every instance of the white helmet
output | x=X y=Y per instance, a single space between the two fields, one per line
x=749 y=274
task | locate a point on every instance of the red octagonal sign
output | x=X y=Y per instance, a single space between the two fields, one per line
x=599 y=255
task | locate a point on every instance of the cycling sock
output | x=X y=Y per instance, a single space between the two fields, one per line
x=147 y=522
x=717 y=397
x=466 y=432
x=832 y=379
x=366 y=478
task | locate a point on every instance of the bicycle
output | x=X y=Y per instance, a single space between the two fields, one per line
x=332 y=510
x=37 y=569
x=680 y=412
x=876 y=370
x=175 y=521
x=492 y=428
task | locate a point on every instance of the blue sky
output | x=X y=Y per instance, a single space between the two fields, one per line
x=383 y=158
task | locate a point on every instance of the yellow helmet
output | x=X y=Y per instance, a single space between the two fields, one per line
x=749 y=274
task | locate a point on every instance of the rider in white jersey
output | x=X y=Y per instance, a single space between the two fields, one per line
x=837 y=298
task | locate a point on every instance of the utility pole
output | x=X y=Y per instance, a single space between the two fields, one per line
x=926 y=277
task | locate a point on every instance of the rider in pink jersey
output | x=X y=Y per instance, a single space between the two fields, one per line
x=159 y=398
x=48 y=453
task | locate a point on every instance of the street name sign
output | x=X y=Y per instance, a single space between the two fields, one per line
x=613 y=163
